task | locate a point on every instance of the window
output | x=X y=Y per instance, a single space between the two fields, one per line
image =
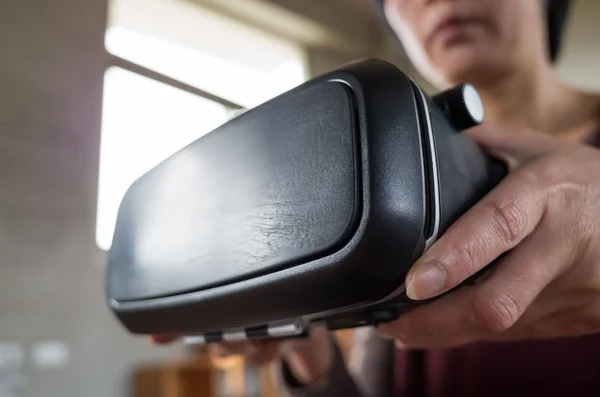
x=178 y=72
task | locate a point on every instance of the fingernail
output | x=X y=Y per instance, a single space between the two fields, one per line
x=427 y=281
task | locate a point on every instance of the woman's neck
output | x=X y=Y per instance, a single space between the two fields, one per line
x=539 y=100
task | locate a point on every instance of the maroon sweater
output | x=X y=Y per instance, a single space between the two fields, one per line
x=561 y=368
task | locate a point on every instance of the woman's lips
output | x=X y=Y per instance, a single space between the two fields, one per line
x=452 y=29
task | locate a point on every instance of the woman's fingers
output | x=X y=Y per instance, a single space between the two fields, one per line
x=261 y=353
x=438 y=324
x=229 y=349
x=490 y=308
x=162 y=339
x=257 y=352
x=493 y=226
x=518 y=279
x=513 y=146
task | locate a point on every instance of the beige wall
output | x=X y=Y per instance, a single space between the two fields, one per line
x=51 y=273
x=579 y=63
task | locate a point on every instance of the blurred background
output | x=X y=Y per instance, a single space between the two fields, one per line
x=93 y=94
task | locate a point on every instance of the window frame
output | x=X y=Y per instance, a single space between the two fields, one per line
x=115 y=61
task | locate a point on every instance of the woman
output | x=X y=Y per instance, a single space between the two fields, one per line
x=532 y=326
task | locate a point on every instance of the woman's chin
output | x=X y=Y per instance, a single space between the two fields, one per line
x=461 y=66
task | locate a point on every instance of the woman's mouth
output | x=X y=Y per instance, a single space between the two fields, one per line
x=453 y=29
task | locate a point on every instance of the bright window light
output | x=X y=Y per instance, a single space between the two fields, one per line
x=237 y=82
x=145 y=121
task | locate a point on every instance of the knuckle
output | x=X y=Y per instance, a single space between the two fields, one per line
x=469 y=255
x=495 y=316
x=509 y=220
x=545 y=169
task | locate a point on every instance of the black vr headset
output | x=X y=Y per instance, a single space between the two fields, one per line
x=309 y=208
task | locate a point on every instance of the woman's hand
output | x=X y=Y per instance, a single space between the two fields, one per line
x=545 y=216
x=308 y=359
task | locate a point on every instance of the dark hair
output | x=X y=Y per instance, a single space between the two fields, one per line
x=556 y=15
